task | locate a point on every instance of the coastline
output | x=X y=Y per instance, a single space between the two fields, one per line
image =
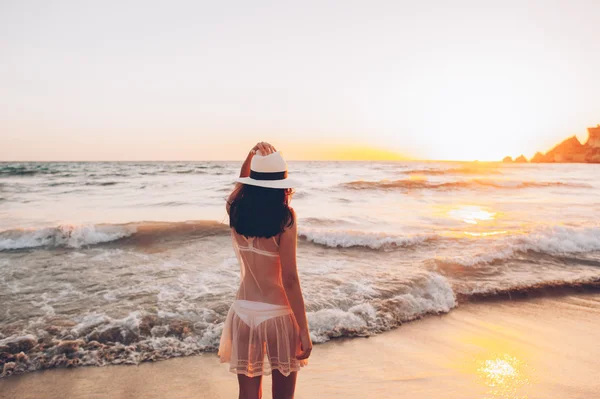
x=525 y=348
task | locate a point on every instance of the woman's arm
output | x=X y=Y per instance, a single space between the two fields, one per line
x=245 y=170
x=291 y=284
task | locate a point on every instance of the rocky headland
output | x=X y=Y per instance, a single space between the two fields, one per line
x=569 y=151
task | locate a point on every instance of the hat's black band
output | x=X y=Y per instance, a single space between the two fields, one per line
x=268 y=175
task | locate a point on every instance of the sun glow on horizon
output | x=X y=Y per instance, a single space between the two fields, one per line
x=344 y=152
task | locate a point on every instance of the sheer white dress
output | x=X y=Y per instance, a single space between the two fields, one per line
x=260 y=333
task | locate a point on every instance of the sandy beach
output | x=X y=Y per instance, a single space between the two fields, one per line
x=527 y=348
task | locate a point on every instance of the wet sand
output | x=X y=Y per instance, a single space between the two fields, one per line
x=527 y=348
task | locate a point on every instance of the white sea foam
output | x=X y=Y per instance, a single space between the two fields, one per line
x=328 y=323
x=356 y=238
x=556 y=241
x=63 y=236
x=89 y=322
x=432 y=294
x=357 y=289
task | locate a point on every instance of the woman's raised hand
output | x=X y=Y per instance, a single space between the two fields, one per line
x=263 y=149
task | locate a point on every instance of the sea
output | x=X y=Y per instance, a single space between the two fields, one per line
x=126 y=262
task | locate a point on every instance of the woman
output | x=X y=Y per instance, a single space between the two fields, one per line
x=266 y=329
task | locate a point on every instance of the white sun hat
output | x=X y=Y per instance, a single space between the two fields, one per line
x=268 y=171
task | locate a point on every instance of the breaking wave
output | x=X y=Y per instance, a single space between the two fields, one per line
x=356 y=238
x=454 y=171
x=69 y=236
x=553 y=241
x=432 y=294
x=62 y=236
x=97 y=339
x=408 y=184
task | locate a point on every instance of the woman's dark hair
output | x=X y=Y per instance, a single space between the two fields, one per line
x=259 y=211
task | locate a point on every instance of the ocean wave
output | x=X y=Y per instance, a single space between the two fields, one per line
x=18 y=171
x=66 y=170
x=576 y=284
x=98 y=339
x=322 y=221
x=407 y=184
x=431 y=294
x=62 y=236
x=113 y=174
x=61 y=183
x=356 y=238
x=27 y=170
x=137 y=233
x=195 y=171
x=553 y=241
x=453 y=171
x=146 y=233
x=172 y=203
x=102 y=183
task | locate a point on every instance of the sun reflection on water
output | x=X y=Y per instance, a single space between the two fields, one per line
x=485 y=233
x=503 y=375
x=471 y=214
x=482 y=221
x=498 y=362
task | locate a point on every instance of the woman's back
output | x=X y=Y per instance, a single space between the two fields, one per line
x=260 y=268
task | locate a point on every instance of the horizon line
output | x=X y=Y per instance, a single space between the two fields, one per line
x=241 y=160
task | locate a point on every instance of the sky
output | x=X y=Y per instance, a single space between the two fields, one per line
x=206 y=80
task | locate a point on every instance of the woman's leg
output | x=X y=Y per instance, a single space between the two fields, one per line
x=283 y=387
x=250 y=387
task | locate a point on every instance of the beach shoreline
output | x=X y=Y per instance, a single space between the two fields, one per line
x=542 y=347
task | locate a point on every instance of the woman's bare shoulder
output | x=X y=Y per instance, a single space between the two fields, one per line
x=293 y=215
x=291 y=226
